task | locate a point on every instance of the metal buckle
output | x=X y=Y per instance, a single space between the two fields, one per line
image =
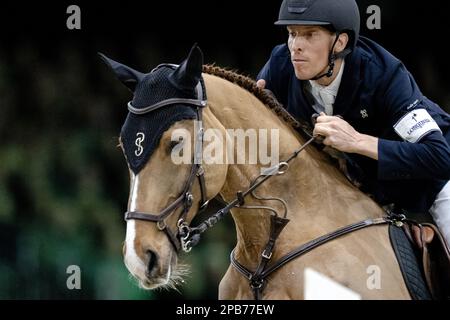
x=161 y=224
x=189 y=199
x=200 y=171
x=265 y=255
x=256 y=283
x=200 y=133
x=397 y=219
x=282 y=168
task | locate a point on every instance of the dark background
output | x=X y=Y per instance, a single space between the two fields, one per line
x=63 y=181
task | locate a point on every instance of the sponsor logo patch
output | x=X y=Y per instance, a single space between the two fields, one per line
x=415 y=124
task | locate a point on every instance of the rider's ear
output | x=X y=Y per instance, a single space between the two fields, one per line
x=342 y=42
x=128 y=76
x=189 y=73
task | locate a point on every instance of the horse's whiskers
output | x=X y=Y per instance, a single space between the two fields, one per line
x=135 y=280
x=177 y=277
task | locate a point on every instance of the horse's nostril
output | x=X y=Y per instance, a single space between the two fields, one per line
x=152 y=260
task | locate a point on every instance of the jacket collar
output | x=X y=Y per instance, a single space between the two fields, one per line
x=350 y=84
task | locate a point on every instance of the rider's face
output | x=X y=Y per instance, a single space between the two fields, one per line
x=309 y=47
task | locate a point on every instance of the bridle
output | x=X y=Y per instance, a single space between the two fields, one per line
x=186 y=236
x=186 y=198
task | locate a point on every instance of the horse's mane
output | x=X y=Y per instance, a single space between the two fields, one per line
x=250 y=85
x=272 y=103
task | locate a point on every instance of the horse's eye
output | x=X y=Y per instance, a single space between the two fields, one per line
x=174 y=143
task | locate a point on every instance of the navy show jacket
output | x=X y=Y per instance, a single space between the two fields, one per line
x=376 y=91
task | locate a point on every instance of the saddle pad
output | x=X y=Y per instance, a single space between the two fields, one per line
x=409 y=265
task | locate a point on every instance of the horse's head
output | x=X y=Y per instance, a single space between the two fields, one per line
x=163 y=129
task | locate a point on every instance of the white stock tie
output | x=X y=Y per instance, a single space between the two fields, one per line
x=328 y=100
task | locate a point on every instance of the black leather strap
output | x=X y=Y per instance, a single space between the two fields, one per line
x=260 y=276
x=324 y=239
x=276 y=226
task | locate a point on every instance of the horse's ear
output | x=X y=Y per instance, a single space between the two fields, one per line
x=128 y=76
x=189 y=73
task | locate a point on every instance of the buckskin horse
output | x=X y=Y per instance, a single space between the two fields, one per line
x=304 y=213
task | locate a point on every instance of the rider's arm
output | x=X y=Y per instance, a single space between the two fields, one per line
x=424 y=151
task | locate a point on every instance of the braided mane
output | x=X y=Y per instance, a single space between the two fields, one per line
x=250 y=85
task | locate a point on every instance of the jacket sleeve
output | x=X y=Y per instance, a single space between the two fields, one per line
x=424 y=152
x=266 y=74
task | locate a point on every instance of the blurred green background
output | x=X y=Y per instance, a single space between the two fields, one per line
x=64 y=182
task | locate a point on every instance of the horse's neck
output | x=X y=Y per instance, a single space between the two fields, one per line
x=318 y=196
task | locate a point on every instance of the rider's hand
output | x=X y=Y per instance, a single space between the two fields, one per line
x=340 y=135
x=261 y=83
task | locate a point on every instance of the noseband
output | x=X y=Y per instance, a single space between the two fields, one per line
x=179 y=239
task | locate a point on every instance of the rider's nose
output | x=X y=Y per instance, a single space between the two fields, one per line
x=152 y=260
x=296 y=44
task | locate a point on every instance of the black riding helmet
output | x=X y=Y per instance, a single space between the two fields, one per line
x=341 y=15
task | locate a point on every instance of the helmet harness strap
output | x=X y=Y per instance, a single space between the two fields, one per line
x=332 y=59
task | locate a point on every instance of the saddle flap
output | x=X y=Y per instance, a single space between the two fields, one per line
x=422 y=234
x=435 y=258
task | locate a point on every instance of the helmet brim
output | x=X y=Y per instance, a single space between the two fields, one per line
x=301 y=23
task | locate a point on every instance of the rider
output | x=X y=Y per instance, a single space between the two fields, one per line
x=370 y=106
